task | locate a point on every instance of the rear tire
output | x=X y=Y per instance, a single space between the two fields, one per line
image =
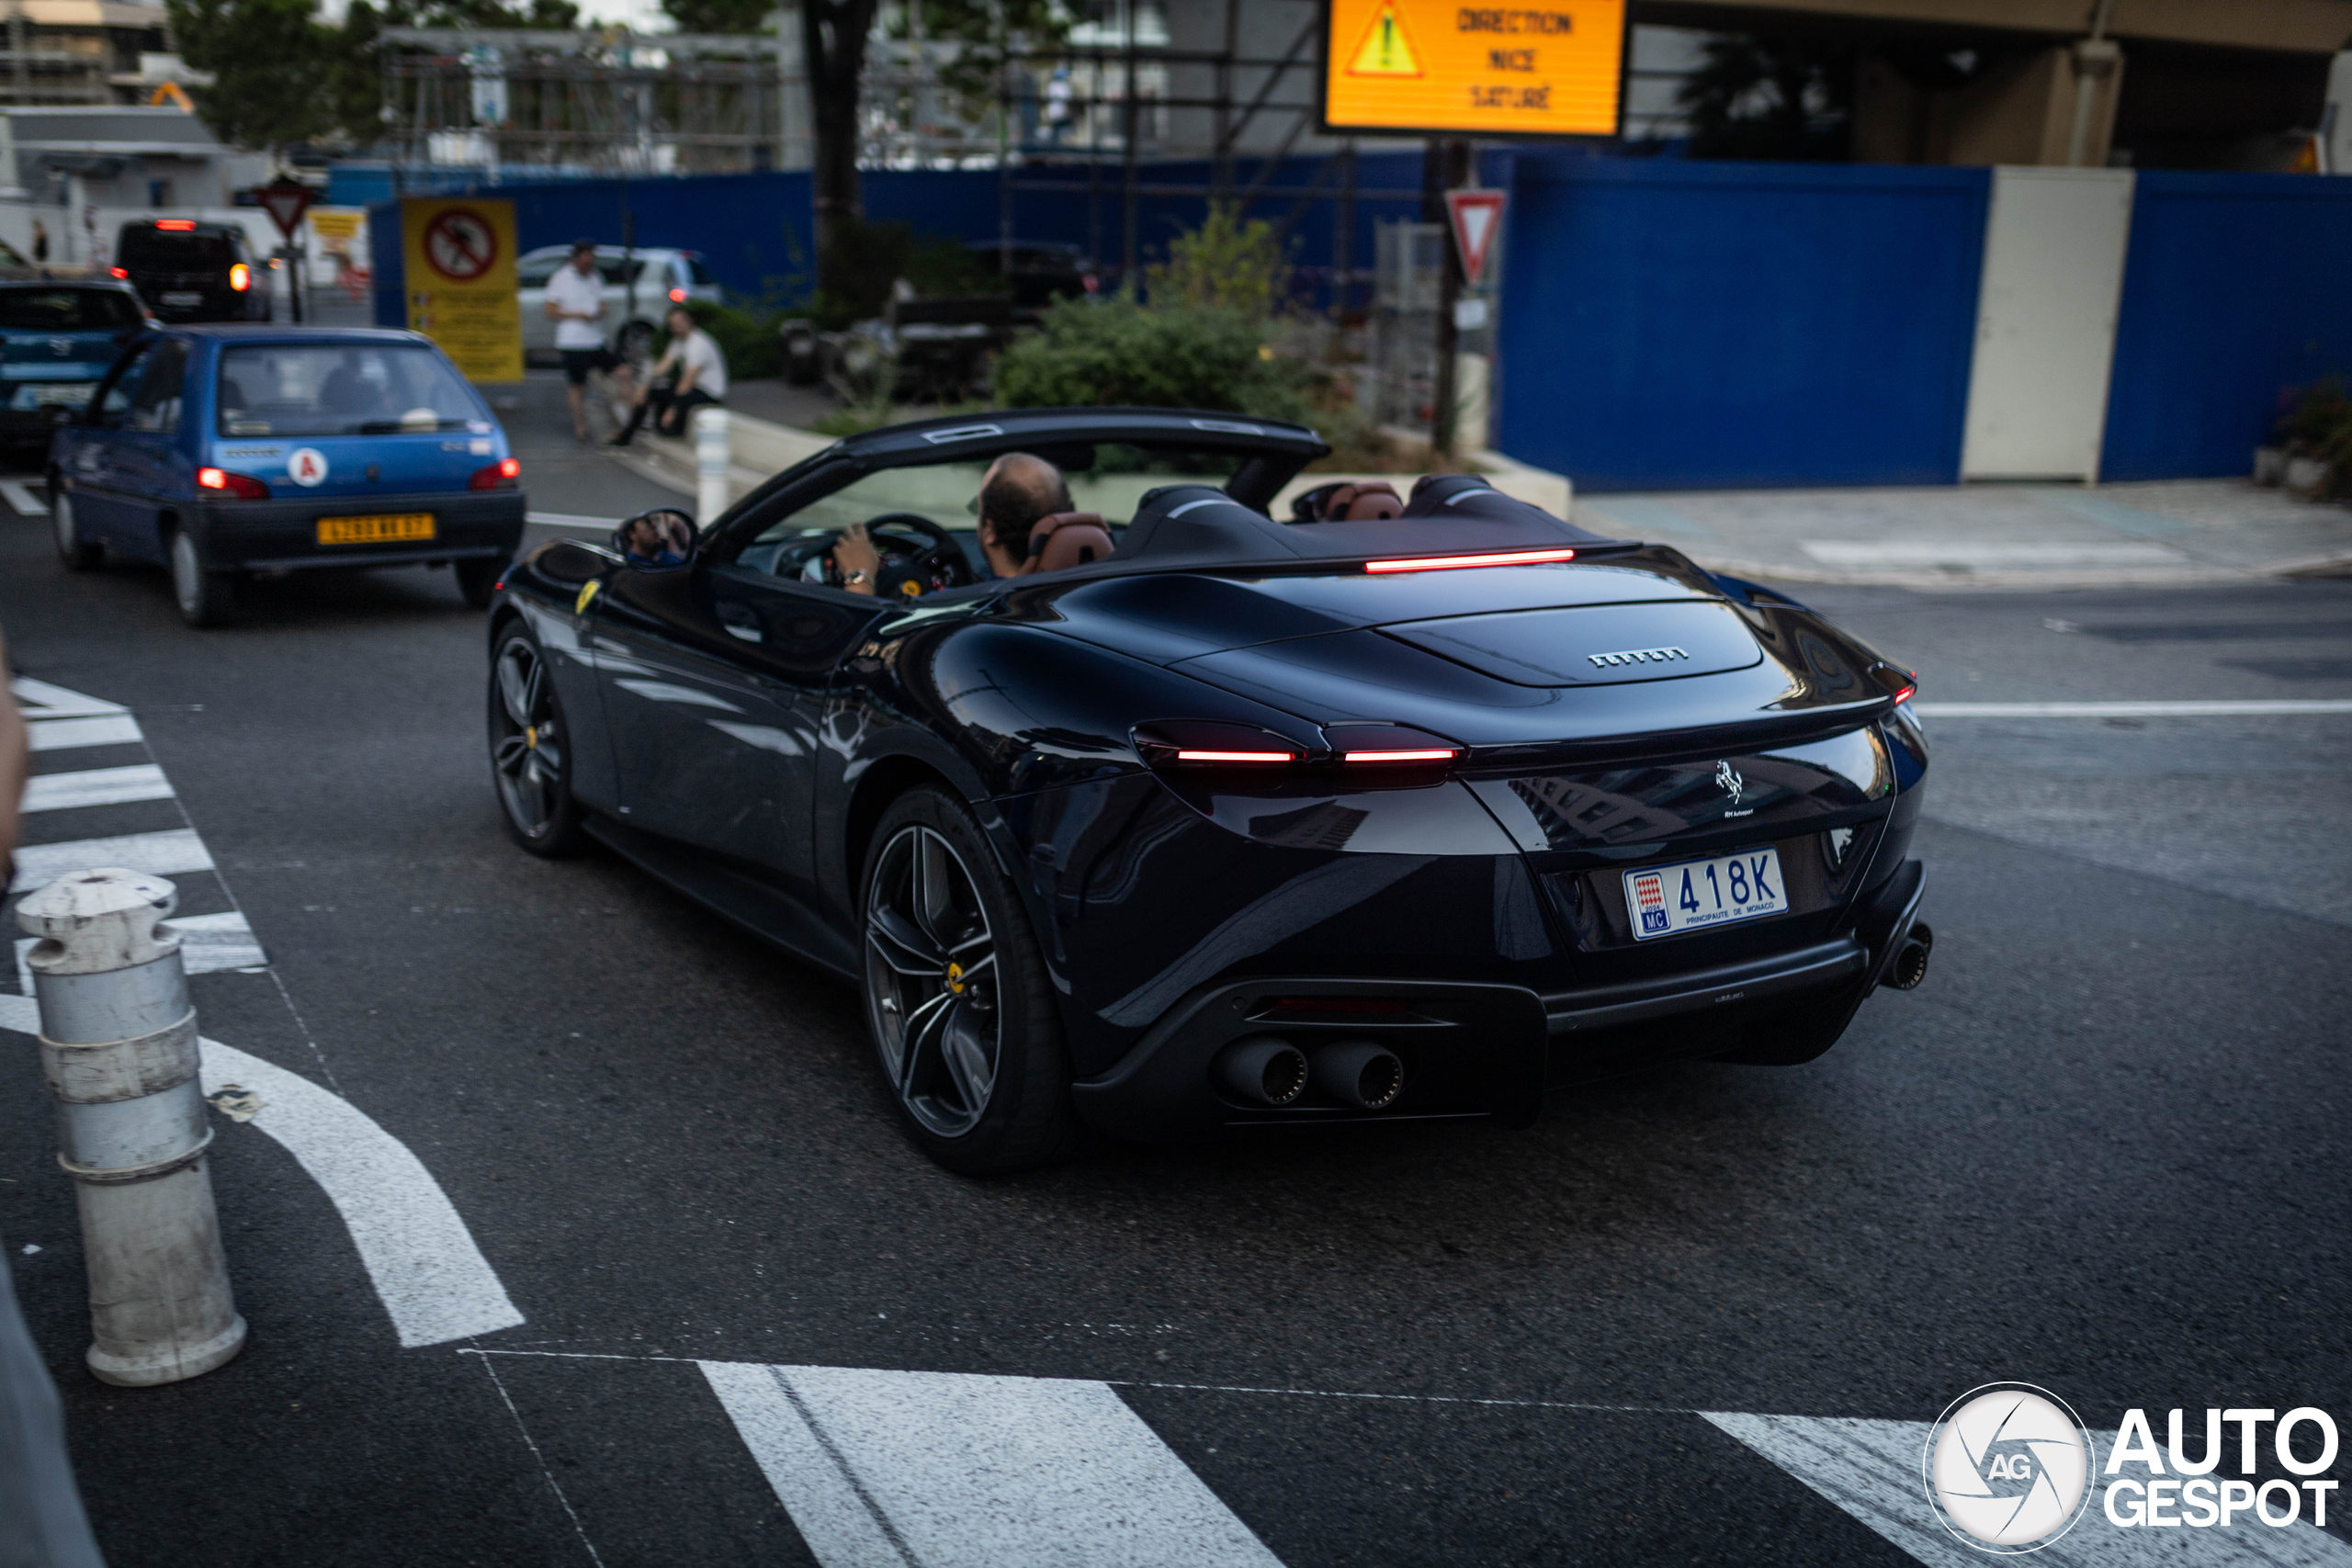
x=959 y=1005
x=79 y=555
x=475 y=581
x=530 y=749
x=207 y=598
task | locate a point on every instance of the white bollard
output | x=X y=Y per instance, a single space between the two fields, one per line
x=119 y=1043
x=711 y=459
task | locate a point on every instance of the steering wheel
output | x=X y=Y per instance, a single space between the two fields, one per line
x=918 y=556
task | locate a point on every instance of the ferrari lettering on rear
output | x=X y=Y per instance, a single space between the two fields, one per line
x=1636 y=655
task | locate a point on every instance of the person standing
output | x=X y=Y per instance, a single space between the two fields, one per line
x=576 y=305
x=40 y=243
x=691 y=373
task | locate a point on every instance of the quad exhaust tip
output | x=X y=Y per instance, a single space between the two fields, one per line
x=1358 y=1073
x=1910 y=963
x=1263 y=1070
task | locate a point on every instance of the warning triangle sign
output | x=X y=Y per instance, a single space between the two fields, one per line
x=1386 y=50
x=1477 y=215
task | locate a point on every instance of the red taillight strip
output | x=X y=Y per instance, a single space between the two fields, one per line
x=1905 y=695
x=1236 y=756
x=1447 y=563
x=1427 y=754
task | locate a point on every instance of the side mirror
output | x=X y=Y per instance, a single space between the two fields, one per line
x=656 y=541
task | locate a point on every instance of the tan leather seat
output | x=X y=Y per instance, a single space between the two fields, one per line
x=1067 y=539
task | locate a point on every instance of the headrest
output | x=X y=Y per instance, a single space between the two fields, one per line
x=1066 y=539
x=1466 y=496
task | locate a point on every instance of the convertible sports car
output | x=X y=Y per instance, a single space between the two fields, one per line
x=1241 y=824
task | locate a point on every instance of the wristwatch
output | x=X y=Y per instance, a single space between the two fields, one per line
x=860 y=575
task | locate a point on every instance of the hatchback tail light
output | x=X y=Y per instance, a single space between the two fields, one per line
x=244 y=487
x=500 y=475
x=241 y=277
x=177 y=225
x=119 y=271
x=677 y=296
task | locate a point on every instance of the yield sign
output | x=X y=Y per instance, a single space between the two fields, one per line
x=1477 y=218
x=285 y=201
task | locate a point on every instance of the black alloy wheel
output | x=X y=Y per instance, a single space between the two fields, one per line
x=957 y=1001
x=530 y=749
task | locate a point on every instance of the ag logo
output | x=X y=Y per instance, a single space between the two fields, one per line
x=306 y=466
x=2007 y=1466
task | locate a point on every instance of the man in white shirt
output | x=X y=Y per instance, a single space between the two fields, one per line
x=576 y=305
x=691 y=372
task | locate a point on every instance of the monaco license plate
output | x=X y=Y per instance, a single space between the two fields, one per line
x=184 y=297
x=1695 y=893
x=398 y=529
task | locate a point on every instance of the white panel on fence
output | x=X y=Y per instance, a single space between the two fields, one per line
x=2045 y=323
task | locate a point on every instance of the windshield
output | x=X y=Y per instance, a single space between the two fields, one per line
x=1108 y=478
x=163 y=250
x=66 y=309
x=349 y=389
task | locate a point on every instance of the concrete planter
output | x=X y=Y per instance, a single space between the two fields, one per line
x=2269 y=464
x=2306 y=475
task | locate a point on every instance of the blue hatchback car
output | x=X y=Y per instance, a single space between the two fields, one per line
x=219 y=451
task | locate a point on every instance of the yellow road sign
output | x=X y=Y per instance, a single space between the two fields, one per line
x=1386 y=50
x=1540 y=68
x=459 y=258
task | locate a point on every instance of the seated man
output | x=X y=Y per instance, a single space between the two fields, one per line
x=658 y=539
x=690 y=373
x=1017 y=493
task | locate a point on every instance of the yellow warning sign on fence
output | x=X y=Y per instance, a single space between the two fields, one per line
x=459 y=258
x=1538 y=69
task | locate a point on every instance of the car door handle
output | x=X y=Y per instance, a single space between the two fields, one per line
x=740 y=620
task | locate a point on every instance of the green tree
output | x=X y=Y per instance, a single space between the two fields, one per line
x=1225 y=263
x=1763 y=97
x=274 y=68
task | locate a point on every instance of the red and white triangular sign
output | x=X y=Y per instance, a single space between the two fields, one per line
x=286 y=200
x=1477 y=218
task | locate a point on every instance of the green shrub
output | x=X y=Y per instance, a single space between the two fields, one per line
x=1225 y=262
x=1121 y=352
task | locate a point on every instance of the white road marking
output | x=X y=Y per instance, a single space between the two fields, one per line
x=209 y=944
x=566 y=520
x=2250 y=708
x=162 y=854
x=41 y=700
x=96 y=786
x=1871 y=1470
x=62 y=734
x=20 y=496
x=427 y=1270
x=1985 y=555
x=954 y=1470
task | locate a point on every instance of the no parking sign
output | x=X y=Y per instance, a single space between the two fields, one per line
x=461 y=290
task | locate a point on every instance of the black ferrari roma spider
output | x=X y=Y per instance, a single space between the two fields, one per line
x=1221 y=814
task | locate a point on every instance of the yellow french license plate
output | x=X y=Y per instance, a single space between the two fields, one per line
x=400 y=528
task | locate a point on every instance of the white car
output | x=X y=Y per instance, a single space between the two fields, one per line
x=632 y=325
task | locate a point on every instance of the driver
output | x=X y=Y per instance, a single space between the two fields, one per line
x=649 y=544
x=1016 y=493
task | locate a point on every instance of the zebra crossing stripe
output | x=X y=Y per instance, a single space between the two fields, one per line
x=167 y=853
x=959 y=1470
x=1873 y=1471
x=38 y=699
x=96 y=787
x=101 y=729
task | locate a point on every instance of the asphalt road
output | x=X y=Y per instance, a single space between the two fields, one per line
x=2101 y=1150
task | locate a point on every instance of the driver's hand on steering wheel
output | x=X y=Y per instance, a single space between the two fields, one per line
x=856 y=559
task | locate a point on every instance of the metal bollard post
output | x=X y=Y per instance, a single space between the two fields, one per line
x=119 y=1043
x=711 y=459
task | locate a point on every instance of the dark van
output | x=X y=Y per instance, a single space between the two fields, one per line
x=188 y=270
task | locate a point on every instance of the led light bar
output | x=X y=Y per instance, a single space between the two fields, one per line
x=1236 y=756
x=177 y=225
x=1449 y=563
x=1905 y=695
x=1427 y=754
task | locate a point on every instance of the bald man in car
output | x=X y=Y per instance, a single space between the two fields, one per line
x=1016 y=493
